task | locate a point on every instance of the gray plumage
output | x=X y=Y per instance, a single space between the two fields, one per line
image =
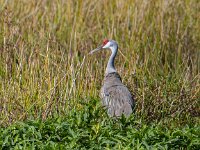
x=114 y=94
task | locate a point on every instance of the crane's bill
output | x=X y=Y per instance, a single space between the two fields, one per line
x=97 y=49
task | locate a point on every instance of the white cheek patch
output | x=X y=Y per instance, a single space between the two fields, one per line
x=107 y=45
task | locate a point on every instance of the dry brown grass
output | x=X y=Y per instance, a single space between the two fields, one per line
x=45 y=70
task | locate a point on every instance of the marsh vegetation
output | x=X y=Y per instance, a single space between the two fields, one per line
x=49 y=86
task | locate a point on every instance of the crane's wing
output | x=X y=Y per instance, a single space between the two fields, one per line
x=117 y=99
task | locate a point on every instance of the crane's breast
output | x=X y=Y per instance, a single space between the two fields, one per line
x=116 y=97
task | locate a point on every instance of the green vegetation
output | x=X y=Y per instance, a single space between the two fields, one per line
x=46 y=75
x=90 y=128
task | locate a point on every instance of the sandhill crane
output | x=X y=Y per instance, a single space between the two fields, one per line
x=114 y=94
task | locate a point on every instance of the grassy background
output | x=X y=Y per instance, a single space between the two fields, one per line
x=45 y=70
x=47 y=76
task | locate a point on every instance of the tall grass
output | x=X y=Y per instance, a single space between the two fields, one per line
x=45 y=69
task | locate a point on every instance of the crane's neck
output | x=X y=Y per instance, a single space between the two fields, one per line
x=110 y=66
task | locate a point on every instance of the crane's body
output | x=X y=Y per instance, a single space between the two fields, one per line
x=114 y=94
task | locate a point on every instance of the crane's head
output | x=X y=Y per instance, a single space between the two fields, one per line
x=106 y=44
